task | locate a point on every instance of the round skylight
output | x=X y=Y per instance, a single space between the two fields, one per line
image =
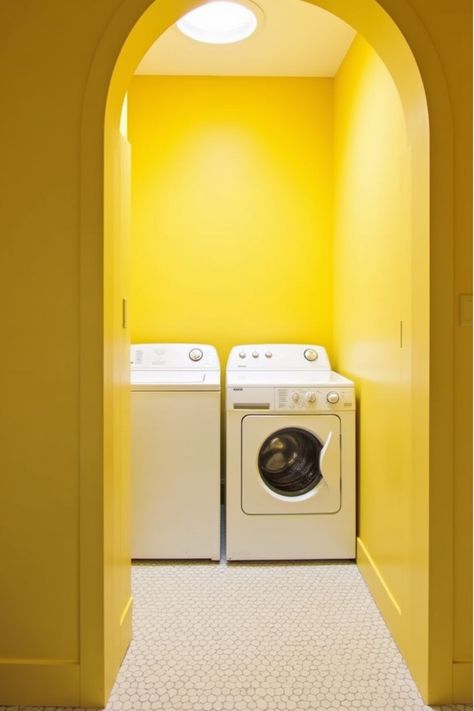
x=219 y=22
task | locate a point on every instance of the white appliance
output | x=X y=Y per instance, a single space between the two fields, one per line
x=290 y=485
x=175 y=451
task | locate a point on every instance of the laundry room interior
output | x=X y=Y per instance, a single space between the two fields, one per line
x=243 y=188
x=275 y=209
x=277 y=202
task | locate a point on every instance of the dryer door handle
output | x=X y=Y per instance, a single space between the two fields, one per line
x=322 y=456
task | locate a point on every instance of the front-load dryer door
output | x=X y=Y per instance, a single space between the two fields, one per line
x=291 y=465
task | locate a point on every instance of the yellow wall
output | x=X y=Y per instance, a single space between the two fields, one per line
x=61 y=583
x=372 y=277
x=39 y=451
x=117 y=582
x=232 y=210
x=57 y=61
x=373 y=270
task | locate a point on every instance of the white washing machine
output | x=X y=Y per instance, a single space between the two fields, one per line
x=175 y=451
x=290 y=484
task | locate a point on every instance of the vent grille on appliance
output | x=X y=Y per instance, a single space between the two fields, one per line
x=282 y=397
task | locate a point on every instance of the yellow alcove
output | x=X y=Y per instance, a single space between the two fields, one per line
x=257 y=202
x=413 y=591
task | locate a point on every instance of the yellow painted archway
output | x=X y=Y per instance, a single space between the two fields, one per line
x=425 y=631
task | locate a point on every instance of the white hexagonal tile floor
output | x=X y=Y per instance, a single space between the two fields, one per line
x=283 y=636
x=279 y=636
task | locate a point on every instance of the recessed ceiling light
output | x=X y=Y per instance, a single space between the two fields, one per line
x=219 y=22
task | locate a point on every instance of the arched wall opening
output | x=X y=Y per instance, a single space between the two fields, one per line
x=105 y=600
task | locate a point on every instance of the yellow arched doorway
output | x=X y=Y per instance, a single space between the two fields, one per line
x=424 y=629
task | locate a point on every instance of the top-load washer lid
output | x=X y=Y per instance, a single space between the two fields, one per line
x=174 y=366
x=290 y=378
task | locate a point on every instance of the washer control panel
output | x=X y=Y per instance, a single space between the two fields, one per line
x=173 y=356
x=316 y=399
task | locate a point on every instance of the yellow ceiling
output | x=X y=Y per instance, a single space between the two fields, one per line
x=295 y=38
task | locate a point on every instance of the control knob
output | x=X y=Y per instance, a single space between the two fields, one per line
x=333 y=397
x=310 y=397
x=195 y=354
x=295 y=397
x=310 y=354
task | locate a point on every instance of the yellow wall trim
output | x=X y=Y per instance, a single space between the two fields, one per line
x=126 y=632
x=126 y=610
x=462 y=682
x=381 y=593
x=19 y=660
x=363 y=559
x=48 y=683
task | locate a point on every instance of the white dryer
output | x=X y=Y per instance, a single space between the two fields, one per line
x=290 y=483
x=175 y=451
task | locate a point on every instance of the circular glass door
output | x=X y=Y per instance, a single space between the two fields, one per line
x=288 y=461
